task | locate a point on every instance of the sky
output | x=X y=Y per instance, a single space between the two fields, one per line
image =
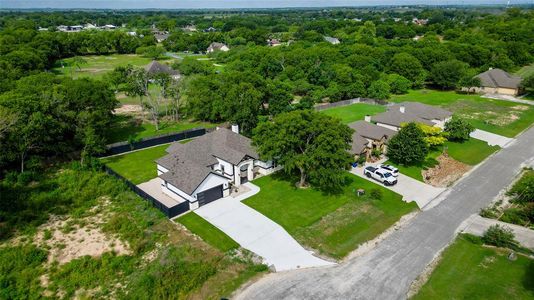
x=199 y=4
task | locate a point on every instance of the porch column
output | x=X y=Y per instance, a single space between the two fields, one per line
x=250 y=171
x=237 y=176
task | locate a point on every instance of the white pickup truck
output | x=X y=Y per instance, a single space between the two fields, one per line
x=380 y=175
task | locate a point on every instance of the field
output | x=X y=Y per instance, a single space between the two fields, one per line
x=126 y=127
x=354 y=112
x=209 y=233
x=469 y=270
x=333 y=224
x=157 y=258
x=526 y=71
x=98 y=65
x=497 y=116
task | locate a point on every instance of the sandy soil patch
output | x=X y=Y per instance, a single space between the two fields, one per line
x=446 y=172
x=520 y=107
x=69 y=239
x=129 y=109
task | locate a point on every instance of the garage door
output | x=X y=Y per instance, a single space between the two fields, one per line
x=212 y=194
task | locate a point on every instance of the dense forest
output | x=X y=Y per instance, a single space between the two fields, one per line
x=381 y=52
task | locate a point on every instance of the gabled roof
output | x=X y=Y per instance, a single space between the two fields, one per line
x=155 y=67
x=396 y=118
x=428 y=112
x=372 y=131
x=190 y=163
x=216 y=46
x=359 y=143
x=499 y=78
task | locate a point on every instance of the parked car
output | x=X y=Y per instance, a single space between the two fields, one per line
x=391 y=169
x=380 y=175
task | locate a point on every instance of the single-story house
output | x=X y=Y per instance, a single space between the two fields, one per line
x=331 y=40
x=368 y=137
x=161 y=36
x=497 y=81
x=204 y=169
x=155 y=67
x=217 y=47
x=407 y=112
x=273 y=43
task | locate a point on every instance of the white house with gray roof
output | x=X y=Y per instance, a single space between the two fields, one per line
x=407 y=112
x=205 y=169
x=497 y=81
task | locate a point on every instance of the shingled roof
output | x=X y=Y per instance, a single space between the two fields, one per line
x=372 y=131
x=498 y=78
x=189 y=164
x=155 y=67
x=413 y=112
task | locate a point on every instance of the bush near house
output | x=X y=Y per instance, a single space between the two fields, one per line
x=458 y=129
x=408 y=147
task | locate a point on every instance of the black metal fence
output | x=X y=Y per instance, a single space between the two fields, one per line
x=170 y=212
x=122 y=147
x=324 y=106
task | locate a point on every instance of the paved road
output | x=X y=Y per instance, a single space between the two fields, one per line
x=388 y=271
x=257 y=233
x=411 y=189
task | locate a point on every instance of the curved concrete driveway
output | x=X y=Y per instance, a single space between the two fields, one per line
x=257 y=233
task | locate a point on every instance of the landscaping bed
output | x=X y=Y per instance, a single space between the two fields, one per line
x=333 y=224
x=469 y=270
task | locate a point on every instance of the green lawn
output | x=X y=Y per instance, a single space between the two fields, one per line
x=354 y=112
x=333 y=224
x=497 y=116
x=209 y=233
x=470 y=271
x=470 y=152
x=98 y=65
x=126 y=127
x=138 y=166
x=525 y=71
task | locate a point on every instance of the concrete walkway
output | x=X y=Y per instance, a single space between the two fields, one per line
x=491 y=138
x=410 y=189
x=508 y=98
x=477 y=225
x=257 y=233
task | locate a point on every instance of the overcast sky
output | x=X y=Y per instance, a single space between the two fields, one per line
x=181 y=4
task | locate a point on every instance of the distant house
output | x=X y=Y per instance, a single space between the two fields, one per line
x=73 y=28
x=189 y=28
x=331 y=40
x=217 y=47
x=90 y=26
x=204 y=169
x=155 y=67
x=210 y=29
x=497 y=81
x=368 y=137
x=273 y=43
x=108 y=27
x=161 y=36
x=419 y=22
x=131 y=33
x=407 y=112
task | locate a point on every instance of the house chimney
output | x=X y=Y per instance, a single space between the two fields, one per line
x=235 y=128
x=402 y=109
x=367 y=118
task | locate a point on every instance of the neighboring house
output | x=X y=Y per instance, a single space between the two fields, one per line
x=161 y=36
x=273 y=43
x=210 y=29
x=331 y=40
x=108 y=27
x=419 y=22
x=368 y=137
x=131 y=33
x=204 y=169
x=189 y=28
x=407 y=112
x=497 y=81
x=155 y=67
x=217 y=47
x=90 y=26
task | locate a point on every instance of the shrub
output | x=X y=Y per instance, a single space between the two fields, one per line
x=408 y=146
x=515 y=216
x=458 y=129
x=376 y=194
x=499 y=236
x=523 y=190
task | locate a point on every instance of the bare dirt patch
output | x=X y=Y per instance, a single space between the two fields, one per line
x=446 y=172
x=69 y=238
x=129 y=109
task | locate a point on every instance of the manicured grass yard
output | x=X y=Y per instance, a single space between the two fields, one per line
x=334 y=224
x=138 y=166
x=98 y=65
x=126 y=127
x=209 y=233
x=470 y=271
x=354 y=112
x=497 y=116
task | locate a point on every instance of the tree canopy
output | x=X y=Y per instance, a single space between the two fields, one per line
x=408 y=147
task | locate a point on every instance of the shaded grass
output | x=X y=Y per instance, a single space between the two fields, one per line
x=209 y=233
x=126 y=127
x=496 y=116
x=138 y=166
x=334 y=224
x=470 y=271
x=526 y=71
x=354 y=112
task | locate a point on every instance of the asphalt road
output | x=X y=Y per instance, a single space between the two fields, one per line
x=387 y=271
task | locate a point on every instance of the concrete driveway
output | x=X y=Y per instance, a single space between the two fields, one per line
x=491 y=138
x=257 y=233
x=410 y=189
